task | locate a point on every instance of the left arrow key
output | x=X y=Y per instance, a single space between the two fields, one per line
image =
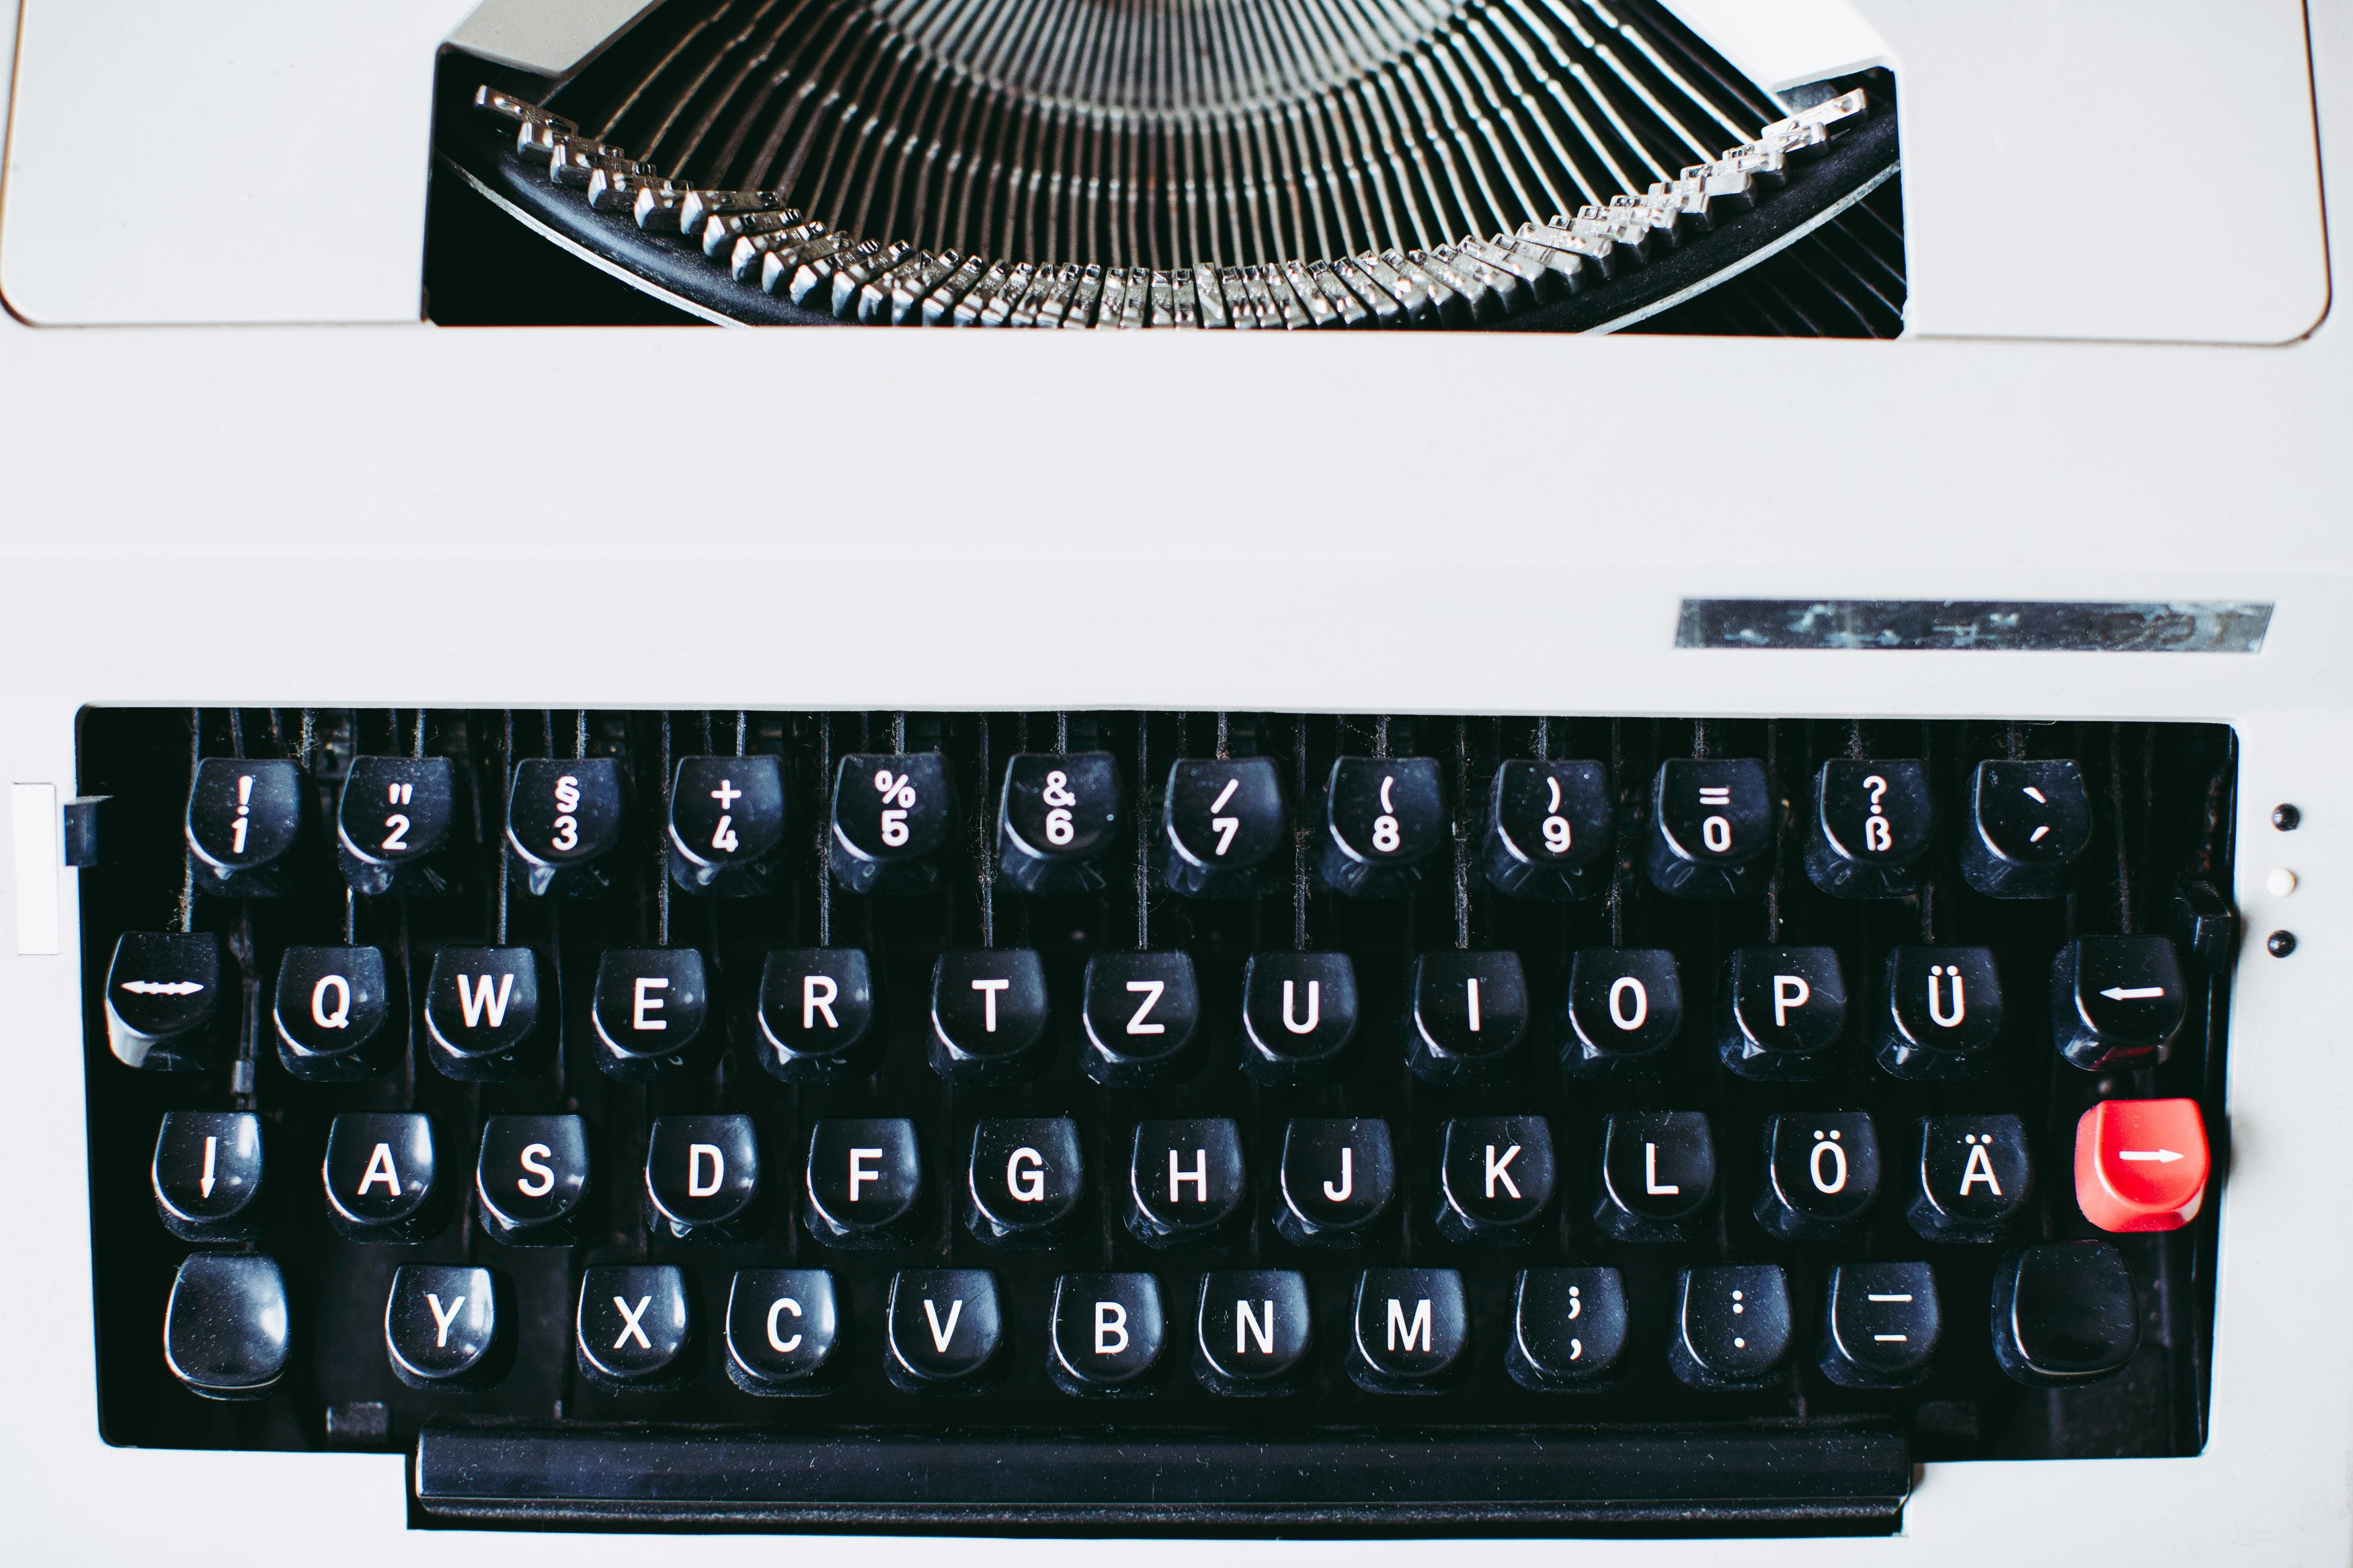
x=163 y=1001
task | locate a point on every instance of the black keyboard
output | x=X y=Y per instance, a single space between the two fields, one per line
x=1189 y=1122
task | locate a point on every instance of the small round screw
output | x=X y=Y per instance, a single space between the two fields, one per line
x=2285 y=817
x=2280 y=944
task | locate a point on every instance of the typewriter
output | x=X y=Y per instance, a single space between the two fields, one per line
x=1435 y=884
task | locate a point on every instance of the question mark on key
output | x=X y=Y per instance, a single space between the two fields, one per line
x=1877 y=835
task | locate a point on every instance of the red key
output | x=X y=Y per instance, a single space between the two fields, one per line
x=2141 y=1165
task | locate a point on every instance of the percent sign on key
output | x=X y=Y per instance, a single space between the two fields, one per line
x=896 y=789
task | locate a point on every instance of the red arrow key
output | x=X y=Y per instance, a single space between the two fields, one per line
x=2140 y=1164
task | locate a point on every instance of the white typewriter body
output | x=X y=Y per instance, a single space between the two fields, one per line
x=235 y=466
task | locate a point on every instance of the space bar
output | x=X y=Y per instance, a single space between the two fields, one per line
x=1853 y=1479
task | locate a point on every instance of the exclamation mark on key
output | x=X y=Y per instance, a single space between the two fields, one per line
x=244 y=815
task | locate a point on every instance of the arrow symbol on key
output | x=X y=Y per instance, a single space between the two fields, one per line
x=2161 y=1156
x=2133 y=993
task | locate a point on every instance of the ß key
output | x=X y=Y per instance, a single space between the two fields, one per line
x=1871 y=826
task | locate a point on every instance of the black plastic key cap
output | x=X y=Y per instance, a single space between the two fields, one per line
x=727 y=822
x=1940 y=1010
x=649 y=1009
x=1059 y=813
x=1412 y=1328
x=330 y=1008
x=1625 y=1005
x=1972 y=1176
x=1657 y=1174
x=1820 y=1172
x=1496 y=1177
x=1254 y=1330
x=1467 y=1013
x=1025 y=1178
x=244 y=820
x=481 y=1014
x=945 y=1327
x=636 y=1327
x=207 y=1174
x=2116 y=1002
x=228 y=1328
x=443 y=1329
x=1711 y=826
x=1548 y=830
x=1780 y=1010
x=1108 y=1333
x=817 y=1015
x=1299 y=1016
x=1569 y=1326
x=1186 y=1180
x=2029 y=822
x=703 y=1176
x=383 y=1180
x=1879 y=1324
x=1871 y=827
x=1221 y=824
x=533 y=1179
x=392 y=823
x=892 y=817
x=163 y=1005
x=865 y=1177
x=563 y=817
x=1338 y=1177
x=1142 y=1014
x=1732 y=1325
x=783 y=1328
x=1383 y=817
x=2063 y=1312
x=988 y=1016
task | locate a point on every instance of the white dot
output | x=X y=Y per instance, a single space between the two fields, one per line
x=1735 y=1295
x=1737 y=1309
x=2280 y=883
x=1740 y=1344
x=1834 y=1137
